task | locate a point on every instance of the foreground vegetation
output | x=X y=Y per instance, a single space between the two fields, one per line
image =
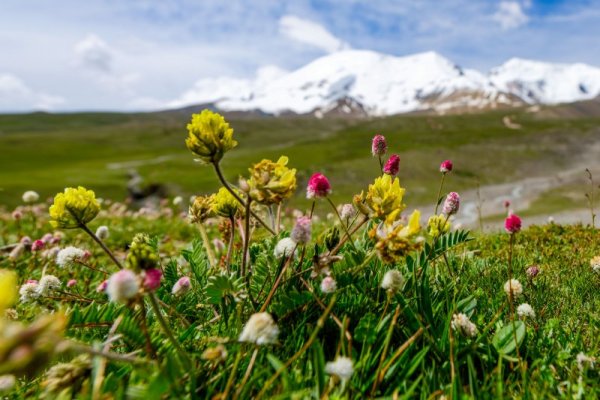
x=242 y=303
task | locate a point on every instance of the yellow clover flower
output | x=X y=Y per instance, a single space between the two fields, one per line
x=271 y=182
x=73 y=208
x=8 y=288
x=384 y=198
x=209 y=136
x=224 y=204
x=394 y=240
x=438 y=225
x=201 y=209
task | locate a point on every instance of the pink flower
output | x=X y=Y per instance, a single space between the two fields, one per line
x=26 y=240
x=34 y=281
x=512 y=224
x=152 y=279
x=451 y=204
x=86 y=255
x=328 y=285
x=446 y=166
x=71 y=282
x=102 y=286
x=378 y=146
x=318 y=186
x=302 y=231
x=532 y=271
x=392 y=166
x=47 y=238
x=37 y=245
x=17 y=215
x=182 y=286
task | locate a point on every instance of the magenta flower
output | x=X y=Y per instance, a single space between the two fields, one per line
x=512 y=224
x=302 y=231
x=318 y=186
x=532 y=271
x=378 y=146
x=152 y=279
x=37 y=245
x=392 y=166
x=101 y=288
x=451 y=204
x=72 y=282
x=446 y=166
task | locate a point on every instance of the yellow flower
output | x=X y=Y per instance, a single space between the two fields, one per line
x=394 y=240
x=384 y=198
x=270 y=182
x=224 y=204
x=73 y=207
x=209 y=136
x=438 y=225
x=142 y=255
x=8 y=289
x=201 y=209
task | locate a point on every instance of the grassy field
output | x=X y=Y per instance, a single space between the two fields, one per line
x=49 y=152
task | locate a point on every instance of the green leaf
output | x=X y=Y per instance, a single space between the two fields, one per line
x=366 y=330
x=504 y=339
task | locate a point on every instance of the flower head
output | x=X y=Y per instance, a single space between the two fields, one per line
x=37 y=245
x=28 y=292
x=209 y=136
x=463 y=325
x=7 y=382
x=102 y=232
x=438 y=225
x=341 y=367
x=69 y=256
x=446 y=166
x=512 y=223
x=71 y=282
x=201 y=209
x=48 y=284
x=73 y=207
x=384 y=198
x=525 y=311
x=260 y=329
x=328 y=285
x=122 y=286
x=183 y=285
x=224 y=204
x=533 y=271
x=271 y=182
x=392 y=281
x=347 y=211
x=395 y=240
x=301 y=232
x=318 y=186
x=30 y=196
x=513 y=286
x=392 y=166
x=17 y=215
x=378 y=145
x=451 y=204
x=152 y=279
x=286 y=247
x=101 y=288
x=142 y=255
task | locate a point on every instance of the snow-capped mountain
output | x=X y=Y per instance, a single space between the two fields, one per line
x=377 y=84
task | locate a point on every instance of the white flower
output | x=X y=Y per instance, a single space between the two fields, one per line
x=583 y=359
x=260 y=329
x=122 y=286
x=463 y=325
x=525 y=311
x=102 y=232
x=29 y=292
x=341 y=367
x=30 y=196
x=514 y=286
x=48 y=284
x=392 y=281
x=7 y=382
x=177 y=200
x=68 y=256
x=595 y=264
x=347 y=211
x=328 y=285
x=284 y=248
x=182 y=286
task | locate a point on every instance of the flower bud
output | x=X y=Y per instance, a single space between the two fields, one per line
x=378 y=145
x=328 y=285
x=512 y=224
x=102 y=232
x=122 y=286
x=182 y=286
x=37 y=245
x=152 y=279
x=451 y=204
x=318 y=186
x=446 y=166
x=392 y=166
x=30 y=196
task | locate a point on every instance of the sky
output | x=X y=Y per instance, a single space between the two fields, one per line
x=74 y=55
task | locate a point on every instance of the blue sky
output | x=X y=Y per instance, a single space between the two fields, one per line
x=143 y=54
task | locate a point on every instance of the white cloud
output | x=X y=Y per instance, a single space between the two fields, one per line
x=311 y=33
x=16 y=96
x=94 y=54
x=510 y=15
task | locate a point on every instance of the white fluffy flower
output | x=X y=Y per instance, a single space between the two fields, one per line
x=595 y=264
x=30 y=196
x=122 y=286
x=392 y=281
x=260 y=329
x=29 y=292
x=328 y=285
x=341 y=367
x=102 y=232
x=347 y=211
x=48 y=284
x=525 y=311
x=177 y=200
x=69 y=255
x=463 y=325
x=284 y=248
x=515 y=286
x=7 y=382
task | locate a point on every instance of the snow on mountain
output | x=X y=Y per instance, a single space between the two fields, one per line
x=538 y=82
x=379 y=84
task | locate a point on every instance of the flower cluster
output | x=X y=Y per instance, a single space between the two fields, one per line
x=260 y=329
x=73 y=208
x=201 y=209
x=384 y=199
x=271 y=182
x=394 y=241
x=209 y=136
x=438 y=225
x=463 y=325
x=225 y=205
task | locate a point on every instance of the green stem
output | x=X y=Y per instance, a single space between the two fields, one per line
x=341 y=222
x=97 y=240
x=212 y=259
x=230 y=246
x=246 y=238
x=437 y=199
